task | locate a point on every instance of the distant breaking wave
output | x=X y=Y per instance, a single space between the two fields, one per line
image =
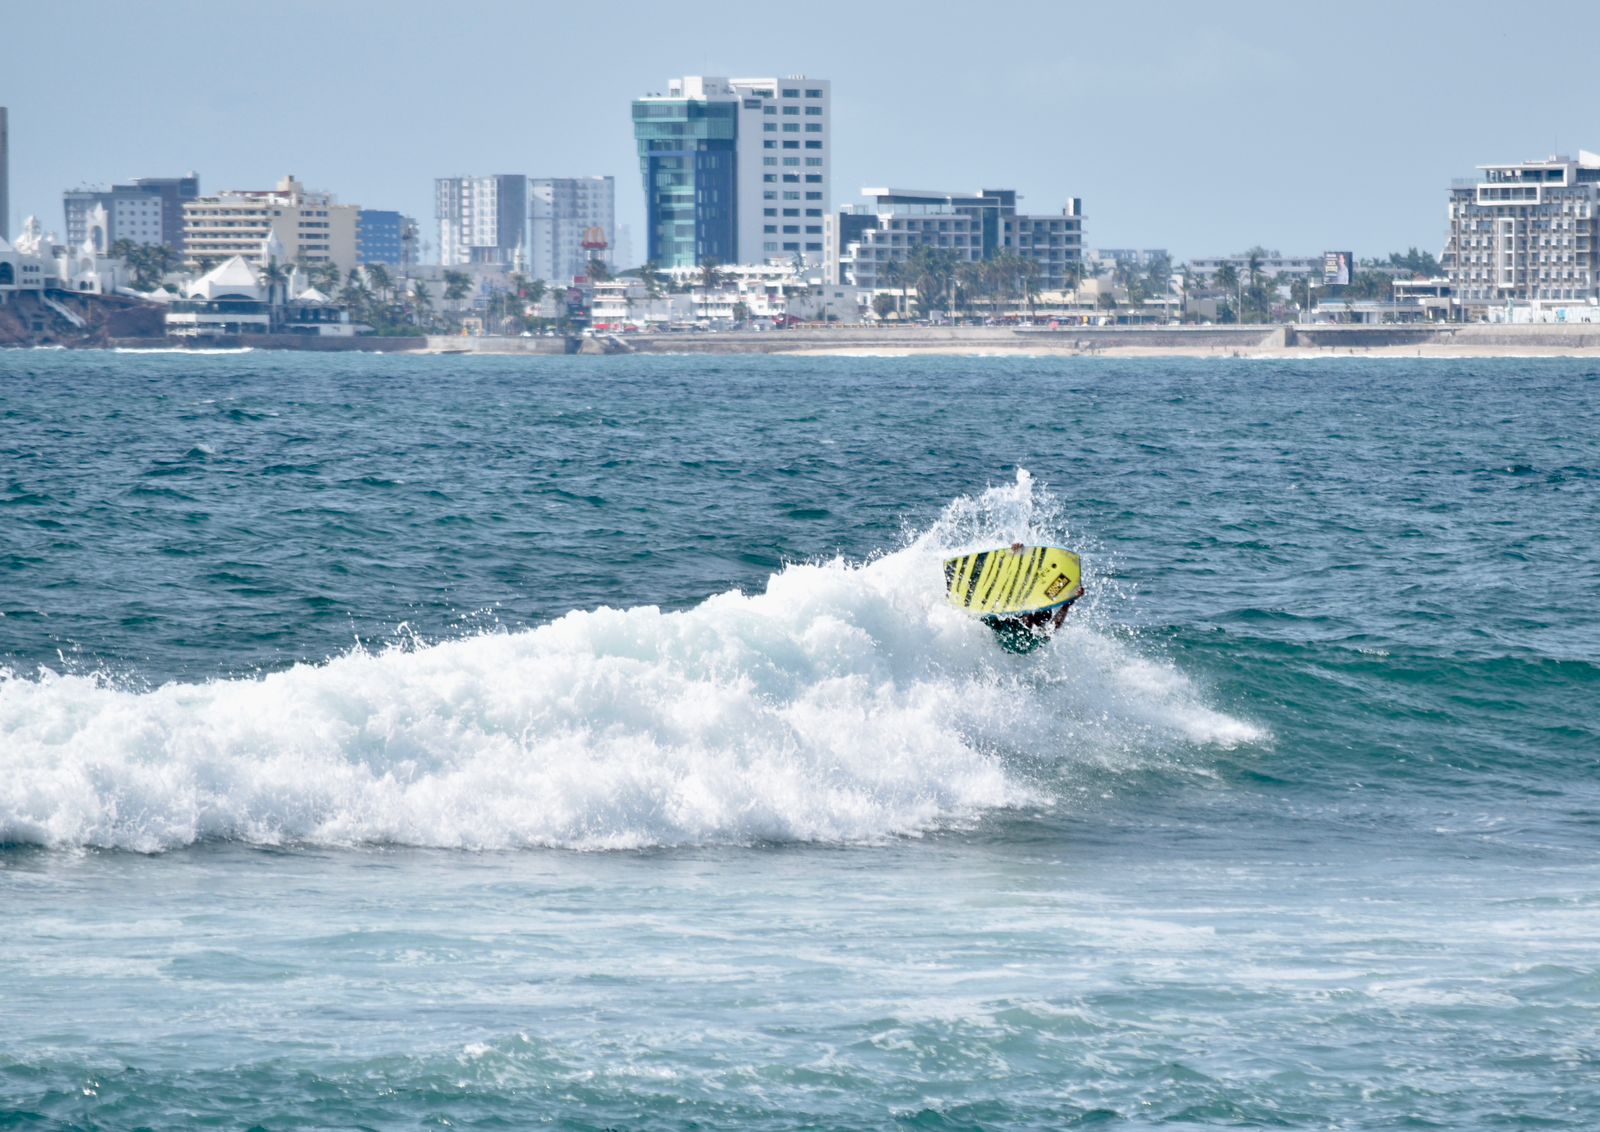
x=843 y=703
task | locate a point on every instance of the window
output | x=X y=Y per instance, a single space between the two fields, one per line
x=813 y=196
x=809 y=145
x=769 y=161
x=769 y=143
x=791 y=196
x=812 y=211
x=813 y=247
x=769 y=227
x=813 y=229
x=770 y=194
x=791 y=247
x=769 y=212
x=791 y=109
x=791 y=212
x=813 y=111
x=813 y=92
x=813 y=178
x=791 y=161
x=769 y=177
x=787 y=144
x=769 y=110
x=791 y=93
x=769 y=127
x=791 y=178
x=813 y=127
x=791 y=229
x=790 y=127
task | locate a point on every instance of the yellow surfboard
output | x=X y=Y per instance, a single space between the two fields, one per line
x=1011 y=582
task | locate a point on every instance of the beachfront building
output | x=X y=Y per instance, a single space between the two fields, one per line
x=735 y=170
x=311 y=227
x=236 y=298
x=482 y=220
x=571 y=220
x=1525 y=234
x=863 y=241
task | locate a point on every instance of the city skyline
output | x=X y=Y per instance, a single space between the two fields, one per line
x=1199 y=133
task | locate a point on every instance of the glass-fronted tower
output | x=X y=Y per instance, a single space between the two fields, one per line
x=688 y=156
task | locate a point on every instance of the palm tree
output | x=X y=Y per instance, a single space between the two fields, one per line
x=274 y=276
x=969 y=279
x=378 y=279
x=710 y=276
x=597 y=271
x=1254 y=265
x=895 y=274
x=422 y=304
x=650 y=276
x=327 y=277
x=1193 y=280
x=1226 y=279
x=354 y=293
x=457 y=286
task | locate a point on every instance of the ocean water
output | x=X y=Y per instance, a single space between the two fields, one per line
x=394 y=742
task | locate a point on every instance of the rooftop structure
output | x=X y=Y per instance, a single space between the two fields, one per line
x=1525 y=233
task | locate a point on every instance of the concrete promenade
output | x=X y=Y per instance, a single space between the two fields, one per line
x=1279 y=341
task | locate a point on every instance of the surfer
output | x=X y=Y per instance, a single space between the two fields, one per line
x=1024 y=632
x=1021 y=592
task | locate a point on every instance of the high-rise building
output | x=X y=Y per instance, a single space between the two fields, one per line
x=1527 y=232
x=735 y=170
x=148 y=210
x=311 y=227
x=863 y=241
x=571 y=220
x=5 y=177
x=481 y=219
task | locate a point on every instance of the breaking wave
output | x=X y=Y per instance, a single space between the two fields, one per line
x=845 y=702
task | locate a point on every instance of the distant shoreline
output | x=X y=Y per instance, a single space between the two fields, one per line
x=1285 y=342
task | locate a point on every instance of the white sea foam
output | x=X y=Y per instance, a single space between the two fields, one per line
x=195 y=350
x=843 y=703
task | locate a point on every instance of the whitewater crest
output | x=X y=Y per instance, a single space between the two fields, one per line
x=845 y=702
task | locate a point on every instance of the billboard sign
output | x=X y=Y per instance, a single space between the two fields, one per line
x=1337 y=268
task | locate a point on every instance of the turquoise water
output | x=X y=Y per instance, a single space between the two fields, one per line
x=582 y=743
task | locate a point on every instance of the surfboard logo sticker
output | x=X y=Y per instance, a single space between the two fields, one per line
x=1056 y=586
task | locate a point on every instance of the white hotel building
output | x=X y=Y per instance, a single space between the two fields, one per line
x=1526 y=233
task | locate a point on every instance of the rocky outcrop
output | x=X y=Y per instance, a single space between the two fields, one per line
x=72 y=319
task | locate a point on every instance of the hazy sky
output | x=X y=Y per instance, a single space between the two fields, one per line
x=1200 y=128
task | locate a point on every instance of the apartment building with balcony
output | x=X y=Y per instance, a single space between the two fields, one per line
x=1525 y=234
x=735 y=169
x=311 y=227
x=862 y=241
x=482 y=220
